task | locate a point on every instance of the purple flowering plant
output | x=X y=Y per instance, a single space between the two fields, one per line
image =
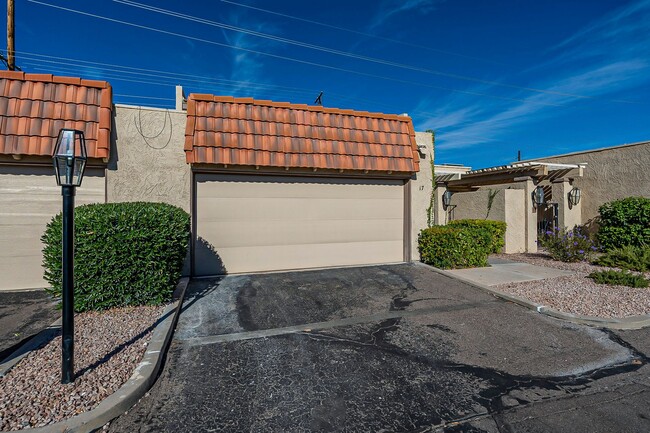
x=568 y=245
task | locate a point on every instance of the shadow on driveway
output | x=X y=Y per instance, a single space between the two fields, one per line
x=24 y=314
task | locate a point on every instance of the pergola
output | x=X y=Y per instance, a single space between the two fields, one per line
x=521 y=181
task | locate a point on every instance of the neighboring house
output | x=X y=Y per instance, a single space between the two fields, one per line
x=611 y=173
x=270 y=186
x=507 y=193
x=33 y=108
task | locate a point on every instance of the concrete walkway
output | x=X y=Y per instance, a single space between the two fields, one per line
x=504 y=271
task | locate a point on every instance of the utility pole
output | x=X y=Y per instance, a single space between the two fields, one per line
x=11 y=48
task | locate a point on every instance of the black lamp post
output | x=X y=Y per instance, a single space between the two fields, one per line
x=69 y=159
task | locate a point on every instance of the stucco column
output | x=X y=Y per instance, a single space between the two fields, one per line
x=440 y=214
x=568 y=216
x=530 y=227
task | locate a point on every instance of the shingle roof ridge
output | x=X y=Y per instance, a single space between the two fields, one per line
x=57 y=79
x=276 y=104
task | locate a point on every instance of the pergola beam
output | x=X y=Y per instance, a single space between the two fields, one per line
x=496 y=178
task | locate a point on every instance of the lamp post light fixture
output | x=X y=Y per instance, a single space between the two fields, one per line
x=69 y=160
x=446 y=199
x=574 y=196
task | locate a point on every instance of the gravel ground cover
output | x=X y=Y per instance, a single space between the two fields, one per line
x=577 y=294
x=108 y=347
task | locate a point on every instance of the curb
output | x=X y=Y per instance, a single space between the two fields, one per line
x=132 y=390
x=627 y=323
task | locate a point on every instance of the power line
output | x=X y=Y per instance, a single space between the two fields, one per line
x=101 y=75
x=369 y=35
x=142 y=97
x=326 y=66
x=397 y=80
x=340 y=53
x=157 y=74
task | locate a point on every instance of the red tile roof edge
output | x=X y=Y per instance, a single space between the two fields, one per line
x=200 y=97
x=49 y=78
x=262 y=102
x=105 y=106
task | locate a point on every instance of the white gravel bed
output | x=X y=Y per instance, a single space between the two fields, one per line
x=108 y=347
x=577 y=294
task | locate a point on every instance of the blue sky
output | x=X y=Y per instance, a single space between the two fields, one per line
x=491 y=78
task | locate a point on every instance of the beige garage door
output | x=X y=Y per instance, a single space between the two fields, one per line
x=262 y=223
x=29 y=198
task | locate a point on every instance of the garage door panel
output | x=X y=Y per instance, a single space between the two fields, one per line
x=269 y=232
x=240 y=209
x=242 y=186
x=29 y=198
x=262 y=223
x=272 y=258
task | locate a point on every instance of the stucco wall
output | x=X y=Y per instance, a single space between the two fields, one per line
x=611 y=173
x=508 y=205
x=421 y=190
x=474 y=205
x=147 y=159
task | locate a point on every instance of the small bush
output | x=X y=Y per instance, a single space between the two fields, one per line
x=624 y=222
x=125 y=254
x=568 y=245
x=627 y=257
x=449 y=247
x=496 y=229
x=619 y=278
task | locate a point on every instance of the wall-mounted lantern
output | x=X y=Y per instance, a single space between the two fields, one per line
x=574 y=196
x=446 y=199
x=538 y=196
x=69 y=158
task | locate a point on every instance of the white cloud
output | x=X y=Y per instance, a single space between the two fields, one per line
x=599 y=62
x=388 y=8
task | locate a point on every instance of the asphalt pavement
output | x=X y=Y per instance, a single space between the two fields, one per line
x=24 y=314
x=396 y=348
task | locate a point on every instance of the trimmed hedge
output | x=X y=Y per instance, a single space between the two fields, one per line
x=126 y=254
x=624 y=222
x=448 y=247
x=496 y=229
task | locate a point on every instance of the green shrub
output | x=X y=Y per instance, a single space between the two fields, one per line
x=624 y=222
x=568 y=245
x=619 y=278
x=627 y=257
x=125 y=254
x=449 y=247
x=496 y=230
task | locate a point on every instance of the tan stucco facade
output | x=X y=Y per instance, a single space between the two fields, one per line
x=147 y=163
x=508 y=204
x=29 y=198
x=611 y=173
x=147 y=159
x=421 y=190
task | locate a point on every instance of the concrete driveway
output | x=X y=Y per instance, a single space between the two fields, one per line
x=386 y=349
